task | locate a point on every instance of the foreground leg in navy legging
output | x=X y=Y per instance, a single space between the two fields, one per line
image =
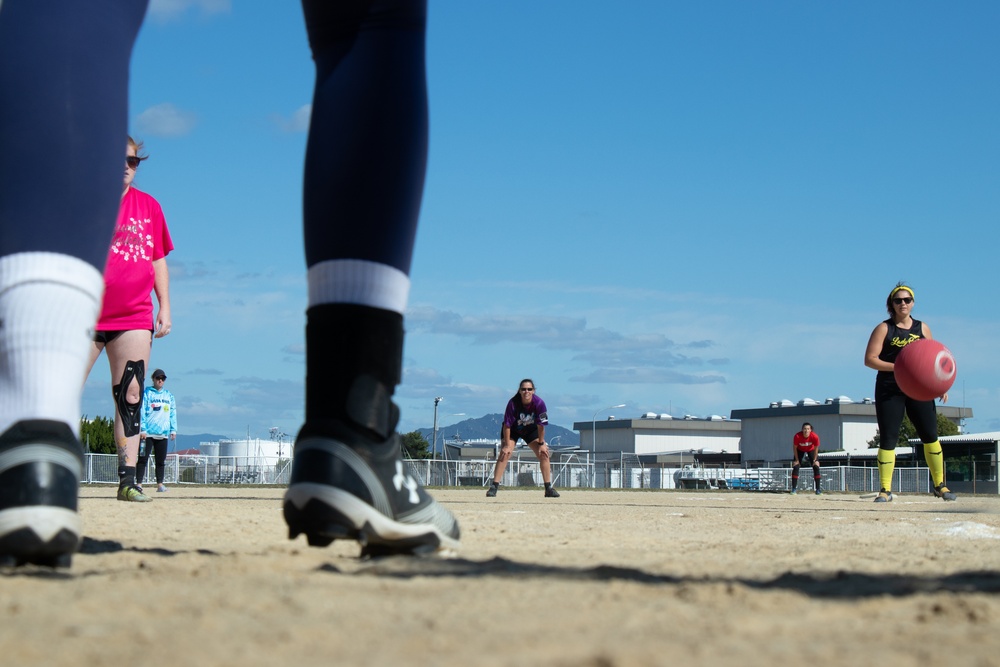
x=364 y=176
x=63 y=111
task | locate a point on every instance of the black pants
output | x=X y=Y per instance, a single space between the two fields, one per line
x=159 y=447
x=890 y=406
x=807 y=458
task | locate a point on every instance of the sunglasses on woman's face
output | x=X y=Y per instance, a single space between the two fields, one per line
x=132 y=161
x=904 y=299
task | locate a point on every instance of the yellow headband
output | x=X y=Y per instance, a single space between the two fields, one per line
x=908 y=289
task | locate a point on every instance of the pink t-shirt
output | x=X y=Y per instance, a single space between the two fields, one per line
x=141 y=236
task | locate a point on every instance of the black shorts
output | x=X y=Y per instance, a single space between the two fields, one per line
x=105 y=337
x=809 y=458
x=529 y=434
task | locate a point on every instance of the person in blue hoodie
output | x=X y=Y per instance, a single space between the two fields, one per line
x=159 y=421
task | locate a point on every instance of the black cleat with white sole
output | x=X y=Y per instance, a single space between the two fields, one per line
x=363 y=491
x=41 y=463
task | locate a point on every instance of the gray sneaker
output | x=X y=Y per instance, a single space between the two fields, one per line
x=941 y=491
x=492 y=491
x=884 y=496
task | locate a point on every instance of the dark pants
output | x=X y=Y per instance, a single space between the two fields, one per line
x=890 y=406
x=808 y=458
x=159 y=447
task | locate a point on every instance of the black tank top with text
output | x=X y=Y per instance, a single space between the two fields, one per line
x=896 y=338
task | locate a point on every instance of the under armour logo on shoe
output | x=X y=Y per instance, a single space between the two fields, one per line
x=401 y=479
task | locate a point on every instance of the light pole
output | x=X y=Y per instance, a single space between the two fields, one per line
x=593 y=438
x=437 y=399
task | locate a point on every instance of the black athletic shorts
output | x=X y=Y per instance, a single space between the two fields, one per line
x=528 y=434
x=808 y=458
x=106 y=337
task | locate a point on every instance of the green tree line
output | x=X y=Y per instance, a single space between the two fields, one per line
x=98 y=435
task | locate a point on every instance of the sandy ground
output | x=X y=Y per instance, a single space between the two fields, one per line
x=206 y=576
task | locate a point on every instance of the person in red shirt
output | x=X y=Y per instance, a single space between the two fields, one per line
x=805 y=446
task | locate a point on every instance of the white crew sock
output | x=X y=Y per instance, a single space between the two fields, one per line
x=359 y=282
x=49 y=304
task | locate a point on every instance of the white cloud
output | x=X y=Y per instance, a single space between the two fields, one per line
x=297 y=122
x=165 y=120
x=171 y=10
x=616 y=357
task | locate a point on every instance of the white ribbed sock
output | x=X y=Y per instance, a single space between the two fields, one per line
x=359 y=282
x=49 y=304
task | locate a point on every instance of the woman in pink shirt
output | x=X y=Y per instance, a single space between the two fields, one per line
x=136 y=266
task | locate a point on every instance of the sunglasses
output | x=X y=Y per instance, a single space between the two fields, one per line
x=526 y=389
x=903 y=299
x=132 y=161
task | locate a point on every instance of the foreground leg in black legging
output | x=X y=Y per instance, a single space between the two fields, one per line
x=364 y=176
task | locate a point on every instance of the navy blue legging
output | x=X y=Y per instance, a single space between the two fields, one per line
x=63 y=125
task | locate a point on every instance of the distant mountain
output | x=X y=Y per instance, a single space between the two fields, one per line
x=488 y=426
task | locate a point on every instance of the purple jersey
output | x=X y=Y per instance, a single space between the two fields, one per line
x=519 y=416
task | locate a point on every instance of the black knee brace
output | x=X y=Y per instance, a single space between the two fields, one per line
x=130 y=412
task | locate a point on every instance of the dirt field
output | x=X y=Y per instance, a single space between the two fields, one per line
x=206 y=577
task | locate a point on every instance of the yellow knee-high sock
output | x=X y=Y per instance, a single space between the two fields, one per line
x=935 y=461
x=886 y=464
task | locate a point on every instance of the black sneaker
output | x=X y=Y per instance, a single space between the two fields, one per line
x=363 y=493
x=550 y=492
x=41 y=464
x=941 y=491
x=492 y=491
x=883 y=496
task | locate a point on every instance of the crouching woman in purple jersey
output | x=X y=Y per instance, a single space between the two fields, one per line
x=525 y=418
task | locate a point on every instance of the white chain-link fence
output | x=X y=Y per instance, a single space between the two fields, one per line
x=567 y=472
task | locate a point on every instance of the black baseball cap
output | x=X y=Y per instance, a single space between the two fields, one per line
x=158 y=373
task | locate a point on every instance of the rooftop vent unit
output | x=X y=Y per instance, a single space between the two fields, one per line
x=808 y=401
x=648 y=415
x=664 y=416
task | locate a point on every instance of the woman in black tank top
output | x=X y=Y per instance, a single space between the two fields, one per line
x=891 y=404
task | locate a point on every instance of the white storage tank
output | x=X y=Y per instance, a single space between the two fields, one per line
x=253 y=452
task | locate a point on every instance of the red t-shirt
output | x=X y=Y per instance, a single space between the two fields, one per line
x=141 y=236
x=810 y=444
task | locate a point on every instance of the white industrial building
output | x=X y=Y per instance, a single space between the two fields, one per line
x=761 y=435
x=842 y=424
x=653 y=434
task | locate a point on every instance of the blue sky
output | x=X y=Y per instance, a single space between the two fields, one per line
x=683 y=207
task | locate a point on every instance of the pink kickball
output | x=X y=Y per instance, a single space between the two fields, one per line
x=925 y=369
